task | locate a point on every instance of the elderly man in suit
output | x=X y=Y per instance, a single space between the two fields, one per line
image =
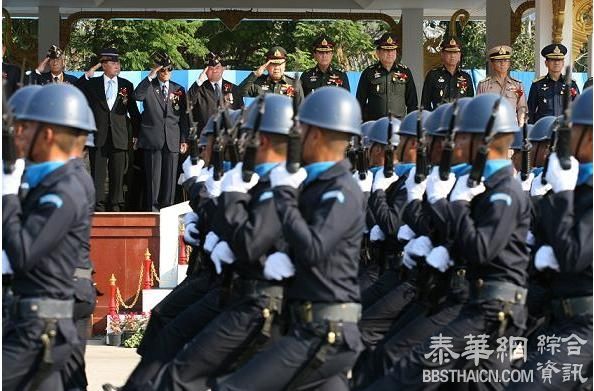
x=56 y=74
x=110 y=99
x=163 y=132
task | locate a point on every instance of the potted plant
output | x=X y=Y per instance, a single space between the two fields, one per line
x=129 y=326
x=113 y=336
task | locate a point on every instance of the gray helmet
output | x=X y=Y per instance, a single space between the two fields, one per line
x=433 y=121
x=19 y=99
x=543 y=129
x=332 y=108
x=210 y=124
x=59 y=104
x=379 y=132
x=581 y=109
x=408 y=126
x=278 y=114
x=446 y=117
x=519 y=138
x=365 y=128
x=475 y=116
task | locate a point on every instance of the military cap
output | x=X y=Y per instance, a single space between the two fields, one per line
x=162 y=59
x=212 y=59
x=109 y=54
x=451 y=44
x=276 y=55
x=387 y=42
x=55 y=52
x=323 y=44
x=501 y=52
x=554 y=51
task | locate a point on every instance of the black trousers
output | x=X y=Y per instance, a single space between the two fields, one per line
x=380 y=287
x=22 y=354
x=160 y=169
x=274 y=367
x=108 y=160
x=74 y=371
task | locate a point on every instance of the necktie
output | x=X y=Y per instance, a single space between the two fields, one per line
x=164 y=92
x=217 y=91
x=109 y=92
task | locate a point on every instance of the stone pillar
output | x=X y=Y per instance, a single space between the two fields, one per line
x=498 y=23
x=412 y=47
x=48 y=29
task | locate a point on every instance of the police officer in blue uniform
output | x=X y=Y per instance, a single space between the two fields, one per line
x=323 y=224
x=546 y=92
x=567 y=253
x=324 y=73
x=42 y=239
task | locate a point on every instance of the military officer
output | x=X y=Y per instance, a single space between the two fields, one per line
x=500 y=82
x=447 y=81
x=56 y=74
x=386 y=86
x=546 y=92
x=323 y=74
x=275 y=81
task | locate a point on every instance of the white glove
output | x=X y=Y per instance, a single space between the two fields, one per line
x=210 y=241
x=538 y=189
x=233 y=180
x=181 y=179
x=380 y=182
x=420 y=246
x=462 y=192
x=408 y=261
x=439 y=258
x=414 y=191
x=191 y=234
x=222 y=254
x=545 y=258
x=190 y=217
x=279 y=176
x=376 y=234
x=560 y=179
x=438 y=189
x=530 y=239
x=191 y=170
x=213 y=187
x=527 y=183
x=278 y=266
x=405 y=233
x=6 y=268
x=364 y=184
x=11 y=182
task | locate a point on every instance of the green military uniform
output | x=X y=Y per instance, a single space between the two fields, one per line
x=441 y=86
x=255 y=85
x=315 y=77
x=382 y=91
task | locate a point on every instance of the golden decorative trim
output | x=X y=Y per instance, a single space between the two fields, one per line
x=516 y=19
x=582 y=25
x=22 y=56
x=558 y=20
x=431 y=56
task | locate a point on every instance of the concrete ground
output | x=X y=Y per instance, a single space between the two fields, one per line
x=108 y=364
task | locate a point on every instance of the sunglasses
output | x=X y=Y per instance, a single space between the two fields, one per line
x=165 y=70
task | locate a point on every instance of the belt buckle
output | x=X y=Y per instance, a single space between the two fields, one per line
x=306 y=312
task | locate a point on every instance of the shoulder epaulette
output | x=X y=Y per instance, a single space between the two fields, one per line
x=516 y=80
x=539 y=79
x=485 y=79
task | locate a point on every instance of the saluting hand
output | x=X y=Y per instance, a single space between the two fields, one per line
x=203 y=77
x=258 y=72
x=91 y=71
x=42 y=65
x=154 y=71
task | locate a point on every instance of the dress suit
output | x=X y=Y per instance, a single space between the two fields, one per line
x=205 y=103
x=164 y=126
x=112 y=139
x=47 y=78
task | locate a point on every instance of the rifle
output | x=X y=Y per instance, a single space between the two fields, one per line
x=447 y=152
x=9 y=154
x=362 y=160
x=253 y=143
x=551 y=149
x=478 y=165
x=564 y=132
x=351 y=153
x=389 y=150
x=422 y=168
x=294 y=142
x=193 y=133
x=218 y=149
x=526 y=146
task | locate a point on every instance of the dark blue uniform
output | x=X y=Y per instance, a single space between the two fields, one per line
x=323 y=227
x=546 y=97
x=41 y=239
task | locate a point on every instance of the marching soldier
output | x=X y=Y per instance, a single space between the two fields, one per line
x=56 y=74
x=42 y=239
x=448 y=81
x=386 y=86
x=500 y=82
x=323 y=74
x=546 y=92
x=322 y=225
x=205 y=93
x=275 y=82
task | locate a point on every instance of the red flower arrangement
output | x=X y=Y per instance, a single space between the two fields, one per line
x=123 y=93
x=573 y=92
x=462 y=85
x=401 y=76
x=519 y=92
x=288 y=90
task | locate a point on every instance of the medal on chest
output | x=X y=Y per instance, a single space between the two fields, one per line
x=377 y=75
x=441 y=79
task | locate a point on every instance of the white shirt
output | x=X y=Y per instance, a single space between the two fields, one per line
x=114 y=94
